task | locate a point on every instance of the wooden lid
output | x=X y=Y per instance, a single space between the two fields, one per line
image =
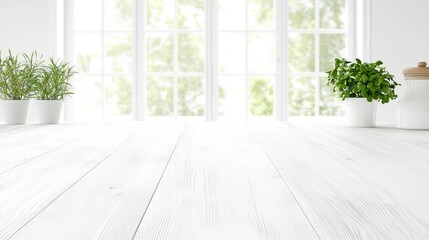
x=421 y=72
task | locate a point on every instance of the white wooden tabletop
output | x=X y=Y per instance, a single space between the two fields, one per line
x=198 y=181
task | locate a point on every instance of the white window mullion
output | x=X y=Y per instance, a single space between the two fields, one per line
x=211 y=60
x=310 y=31
x=139 y=88
x=68 y=53
x=103 y=56
x=281 y=89
x=317 y=60
x=175 y=58
x=246 y=64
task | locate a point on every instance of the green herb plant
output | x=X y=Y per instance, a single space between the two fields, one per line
x=362 y=80
x=17 y=77
x=54 y=83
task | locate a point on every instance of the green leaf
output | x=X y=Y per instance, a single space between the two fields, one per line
x=379 y=63
x=369 y=98
x=362 y=79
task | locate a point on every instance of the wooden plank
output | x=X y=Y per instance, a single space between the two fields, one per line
x=378 y=143
x=17 y=148
x=388 y=160
x=339 y=200
x=15 y=128
x=30 y=188
x=109 y=202
x=221 y=185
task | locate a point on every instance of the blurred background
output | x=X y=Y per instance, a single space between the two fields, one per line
x=212 y=59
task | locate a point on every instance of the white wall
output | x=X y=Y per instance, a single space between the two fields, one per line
x=28 y=25
x=399 y=36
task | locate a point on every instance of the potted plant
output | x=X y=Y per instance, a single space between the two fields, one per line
x=16 y=85
x=51 y=89
x=361 y=85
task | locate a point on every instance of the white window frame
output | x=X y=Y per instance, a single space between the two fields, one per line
x=211 y=71
x=350 y=42
x=246 y=74
x=69 y=54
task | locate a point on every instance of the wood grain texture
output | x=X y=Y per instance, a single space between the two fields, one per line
x=393 y=160
x=223 y=181
x=16 y=128
x=18 y=147
x=221 y=185
x=341 y=201
x=28 y=189
x=109 y=202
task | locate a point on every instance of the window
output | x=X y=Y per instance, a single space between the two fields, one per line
x=246 y=58
x=175 y=53
x=317 y=34
x=216 y=59
x=102 y=53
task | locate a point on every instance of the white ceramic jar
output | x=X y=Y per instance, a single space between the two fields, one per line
x=413 y=112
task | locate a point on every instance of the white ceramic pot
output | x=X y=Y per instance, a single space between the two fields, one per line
x=48 y=111
x=15 y=111
x=360 y=112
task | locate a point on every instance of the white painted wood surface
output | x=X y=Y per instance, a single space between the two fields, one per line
x=110 y=201
x=24 y=143
x=213 y=181
x=221 y=185
x=332 y=186
x=31 y=187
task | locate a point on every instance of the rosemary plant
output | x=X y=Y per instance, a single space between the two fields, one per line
x=54 y=83
x=17 y=77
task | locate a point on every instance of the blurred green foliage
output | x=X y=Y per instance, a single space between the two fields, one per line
x=188 y=92
x=302 y=56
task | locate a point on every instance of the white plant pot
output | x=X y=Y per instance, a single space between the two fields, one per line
x=15 y=111
x=48 y=111
x=360 y=112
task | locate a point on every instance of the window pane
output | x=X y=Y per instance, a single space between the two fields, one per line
x=87 y=14
x=232 y=97
x=160 y=14
x=332 y=13
x=232 y=14
x=330 y=104
x=331 y=46
x=191 y=52
x=118 y=97
x=301 y=96
x=261 y=58
x=160 y=95
x=261 y=14
x=301 y=56
x=191 y=14
x=118 y=14
x=232 y=53
x=190 y=96
x=301 y=14
x=261 y=96
x=118 y=53
x=160 y=52
x=87 y=52
x=87 y=98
